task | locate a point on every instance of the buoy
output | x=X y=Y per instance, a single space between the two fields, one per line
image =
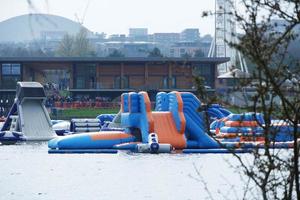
x=153 y=142
x=146 y=148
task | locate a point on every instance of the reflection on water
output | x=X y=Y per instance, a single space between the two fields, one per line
x=27 y=171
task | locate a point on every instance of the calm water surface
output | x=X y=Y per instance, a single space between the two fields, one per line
x=28 y=172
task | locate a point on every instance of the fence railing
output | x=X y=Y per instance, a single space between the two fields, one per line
x=78 y=105
x=74 y=105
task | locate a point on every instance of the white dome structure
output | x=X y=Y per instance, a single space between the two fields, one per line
x=30 y=27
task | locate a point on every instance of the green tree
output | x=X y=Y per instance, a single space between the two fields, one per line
x=198 y=54
x=186 y=56
x=155 y=53
x=116 y=54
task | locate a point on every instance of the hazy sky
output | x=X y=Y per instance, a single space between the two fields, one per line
x=116 y=16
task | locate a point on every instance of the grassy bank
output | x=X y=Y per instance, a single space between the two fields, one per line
x=238 y=110
x=68 y=114
x=82 y=113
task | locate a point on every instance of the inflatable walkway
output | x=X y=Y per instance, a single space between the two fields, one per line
x=28 y=118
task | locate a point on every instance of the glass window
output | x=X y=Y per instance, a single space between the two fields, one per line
x=118 y=82
x=11 y=69
x=6 y=69
x=15 y=69
x=165 y=82
x=86 y=76
x=125 y=82
x=173 y=82
x=80 y=83
x=10 y=82
x=206 y=71
x=10 y=75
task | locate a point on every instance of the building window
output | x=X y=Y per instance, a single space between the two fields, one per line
x=207 y=72
x=15 y=69
x=11 y=69
x=59 y=78
x=125 y=82
x=6 y=69
x=173 y=82
x=165 y=83
x=80 y=83
x=11 y=74
x=118 y=80
x=85 y=75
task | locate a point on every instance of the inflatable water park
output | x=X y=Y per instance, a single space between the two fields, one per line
x=175 y=125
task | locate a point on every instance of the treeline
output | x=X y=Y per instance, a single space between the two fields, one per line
x=12 y=50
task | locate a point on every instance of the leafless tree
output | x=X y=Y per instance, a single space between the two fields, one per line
x=77 y=45
x=275 y=78
x=82 y=46
x=66 y=46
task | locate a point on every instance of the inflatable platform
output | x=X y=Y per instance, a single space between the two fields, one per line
x=175 y=125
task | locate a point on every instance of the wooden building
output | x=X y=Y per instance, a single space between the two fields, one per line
x=107 y=76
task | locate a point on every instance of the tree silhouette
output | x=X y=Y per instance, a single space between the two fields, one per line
x=198 y=54
x=77 y=45
x=66 y=46
x=274 y=174
x=116 y=54
x=155 y=53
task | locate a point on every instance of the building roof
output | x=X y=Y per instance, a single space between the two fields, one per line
x=235 y=73
x=111 y=59
x=31 y=27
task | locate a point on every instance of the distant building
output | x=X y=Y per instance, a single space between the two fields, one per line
x=138 y=34
x=29 y=27
x=108 y=77
x=137 y=49
x=109 y=47
x=190 y=34
x=166 y=38
x=117 y=37
x=204 y=44
x=129 y=49
x=181 y=49
x=52 y=35
x=280 y=25
x=48 y=31
x=163 y=41
x=50 y=40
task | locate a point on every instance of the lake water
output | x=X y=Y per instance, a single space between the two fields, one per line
x=27 y=171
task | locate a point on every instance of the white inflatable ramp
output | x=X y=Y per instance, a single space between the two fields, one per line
x=36 y=124
x=28 y=116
